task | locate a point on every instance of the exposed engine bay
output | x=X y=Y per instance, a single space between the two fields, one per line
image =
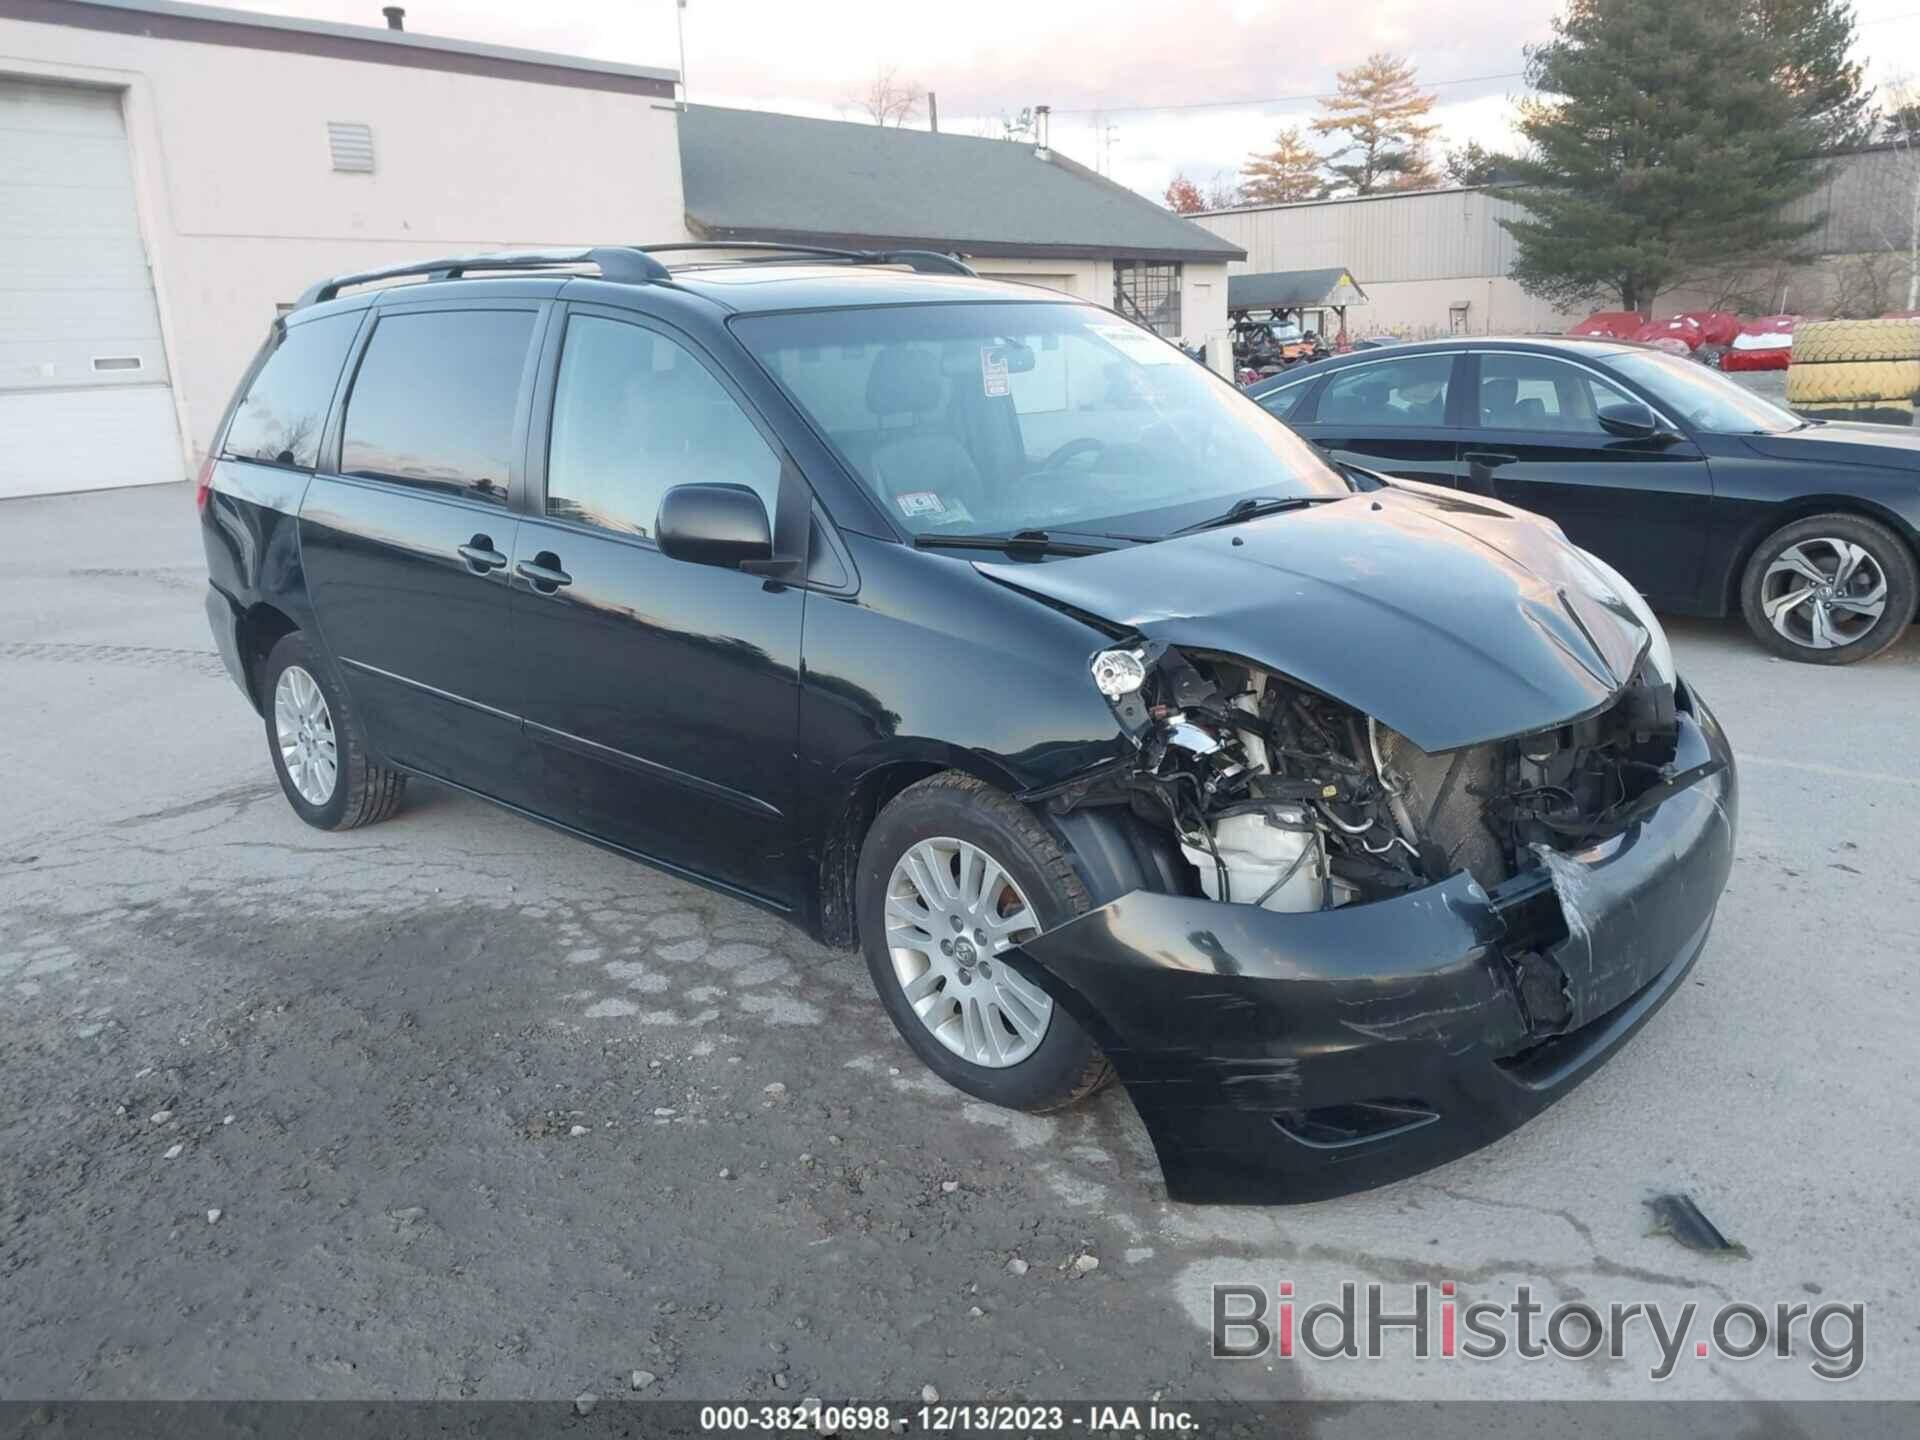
x=1282 y=797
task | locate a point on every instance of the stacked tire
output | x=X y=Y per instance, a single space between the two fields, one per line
x=1856 y=370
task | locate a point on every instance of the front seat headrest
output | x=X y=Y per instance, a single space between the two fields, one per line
x=904 y=381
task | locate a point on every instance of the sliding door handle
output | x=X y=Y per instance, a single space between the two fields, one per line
x=543 y=572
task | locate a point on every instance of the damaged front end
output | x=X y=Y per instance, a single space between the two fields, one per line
x=1368 y=959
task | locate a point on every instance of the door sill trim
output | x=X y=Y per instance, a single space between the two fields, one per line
x=681 y=872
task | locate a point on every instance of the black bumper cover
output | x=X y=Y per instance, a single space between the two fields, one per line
x=1283 y=1058
x=223 y=618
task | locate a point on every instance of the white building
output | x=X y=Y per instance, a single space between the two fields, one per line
x=172 y=173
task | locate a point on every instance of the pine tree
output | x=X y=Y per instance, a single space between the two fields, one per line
x=1666 y=139
x=1816 y=67
x=1473 y=164
x=1378 y=114
x=1288 y=172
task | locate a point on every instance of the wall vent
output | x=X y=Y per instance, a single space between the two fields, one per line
x=352 y=146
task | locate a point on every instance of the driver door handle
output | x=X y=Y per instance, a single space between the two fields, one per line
x=1492 y=459
x=543 y=572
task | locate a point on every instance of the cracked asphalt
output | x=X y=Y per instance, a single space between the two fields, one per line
x=484 y=1111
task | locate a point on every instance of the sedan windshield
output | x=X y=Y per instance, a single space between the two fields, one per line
x=993 y=419
x=1704 y=398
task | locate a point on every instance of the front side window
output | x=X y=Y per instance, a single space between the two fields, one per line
x=279 y=421
x=1148 y=295
x=433 y=403
x=991 y=418
x=1531 y=392
x=635 y=414
x=1390 y=393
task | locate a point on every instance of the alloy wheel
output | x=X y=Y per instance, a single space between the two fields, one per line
x=952 y=909
x=1824 y=593
x=303 y=726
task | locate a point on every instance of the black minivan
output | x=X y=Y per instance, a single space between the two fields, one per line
x=1349 y=821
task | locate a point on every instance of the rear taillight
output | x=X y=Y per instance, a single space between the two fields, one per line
x=203 y=485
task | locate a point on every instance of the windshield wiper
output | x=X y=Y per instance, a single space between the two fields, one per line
x=1252 y=508
x=1020 y=542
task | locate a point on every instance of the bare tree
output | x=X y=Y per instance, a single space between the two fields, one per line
x=889 y=100
x=1896 y=222
x=1867 y=285
x=1223 y=191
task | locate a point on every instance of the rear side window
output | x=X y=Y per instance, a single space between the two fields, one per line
x=279 y=421
x=433 y=403
x=1389 y=393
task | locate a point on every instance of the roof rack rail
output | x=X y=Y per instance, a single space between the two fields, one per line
x=928 y=262
x=627 y=264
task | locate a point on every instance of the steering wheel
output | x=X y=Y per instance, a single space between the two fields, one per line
x=1073 y=450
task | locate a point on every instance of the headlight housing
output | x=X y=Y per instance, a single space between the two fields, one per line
x=1659 y=649
x=1119 y=673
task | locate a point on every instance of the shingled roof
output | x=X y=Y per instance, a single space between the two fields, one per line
x=751 y=174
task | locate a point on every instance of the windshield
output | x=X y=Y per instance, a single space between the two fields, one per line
x=986 y=419
x=1704 y=398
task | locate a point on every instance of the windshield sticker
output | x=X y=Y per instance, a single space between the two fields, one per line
x=1137 y=345
x=993 y=371
x=919 y=502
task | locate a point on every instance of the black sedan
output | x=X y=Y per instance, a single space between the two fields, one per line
x=1709 y=498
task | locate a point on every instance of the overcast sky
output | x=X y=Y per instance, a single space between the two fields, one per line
x=1188 y=86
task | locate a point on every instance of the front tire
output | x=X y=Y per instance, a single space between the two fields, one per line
x=952 y=874
x=1830 y=590
x=319 y=750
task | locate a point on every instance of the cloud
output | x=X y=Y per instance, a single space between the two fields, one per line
x=1095 y=62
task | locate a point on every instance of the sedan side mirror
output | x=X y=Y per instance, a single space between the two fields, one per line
x=723 y=525
x=1628 y=419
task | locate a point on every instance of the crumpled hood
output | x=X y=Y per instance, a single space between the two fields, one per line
x=1847 y=442
x=1451 y=619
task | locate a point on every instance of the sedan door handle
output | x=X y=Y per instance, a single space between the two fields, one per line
x=1492 y=459
x=543 y=572
x=480 y=555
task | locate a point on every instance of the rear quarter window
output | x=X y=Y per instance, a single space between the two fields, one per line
x=279 y=420
x=1282 y=402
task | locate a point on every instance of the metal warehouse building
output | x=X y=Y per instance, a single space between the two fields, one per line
x=1439 y=262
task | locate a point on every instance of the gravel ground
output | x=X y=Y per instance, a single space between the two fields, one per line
x=454 y=1106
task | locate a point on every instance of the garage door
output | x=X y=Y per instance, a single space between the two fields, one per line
x=84 y=396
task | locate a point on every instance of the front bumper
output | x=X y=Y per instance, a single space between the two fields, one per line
x=1280 y=1058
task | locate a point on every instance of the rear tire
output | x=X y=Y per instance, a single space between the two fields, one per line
x=934 y=820
x=318 y=749
x=1778 y=572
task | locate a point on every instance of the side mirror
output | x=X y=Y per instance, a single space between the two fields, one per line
x=1628 y=419
x=723 y=525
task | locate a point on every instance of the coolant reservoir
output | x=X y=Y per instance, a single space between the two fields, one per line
x=1256 y=854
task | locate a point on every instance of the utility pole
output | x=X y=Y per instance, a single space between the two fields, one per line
x=933 y=112
x=680 y=26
